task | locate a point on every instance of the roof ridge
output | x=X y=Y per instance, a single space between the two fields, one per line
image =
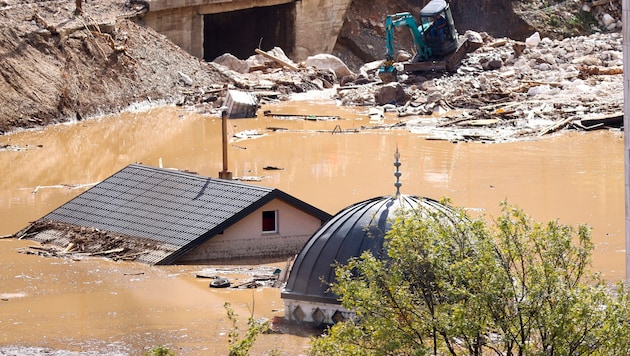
x=176 y=171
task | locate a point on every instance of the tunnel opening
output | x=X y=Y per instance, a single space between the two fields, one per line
x=241 y=32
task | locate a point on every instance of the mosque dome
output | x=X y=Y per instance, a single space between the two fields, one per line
x=355 y=229
x=358 y=228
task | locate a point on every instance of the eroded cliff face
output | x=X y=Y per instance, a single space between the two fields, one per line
x=362 y=38
x=496 y=17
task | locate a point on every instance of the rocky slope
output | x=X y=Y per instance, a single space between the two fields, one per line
x=57 y=66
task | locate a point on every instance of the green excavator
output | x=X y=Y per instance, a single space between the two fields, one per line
x=437 y=44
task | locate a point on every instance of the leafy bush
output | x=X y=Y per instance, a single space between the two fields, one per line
x=462 y=286
x=242 y=346
x=160 y=351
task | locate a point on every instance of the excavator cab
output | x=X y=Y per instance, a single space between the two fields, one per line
x=438 y=28
x=435 y=39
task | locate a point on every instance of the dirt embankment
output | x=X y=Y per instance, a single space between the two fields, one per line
x=57 y=66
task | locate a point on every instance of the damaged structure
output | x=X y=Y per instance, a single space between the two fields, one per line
x=164 y=216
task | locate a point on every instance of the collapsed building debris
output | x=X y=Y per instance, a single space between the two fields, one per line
x=81 y=242
x=505 y=90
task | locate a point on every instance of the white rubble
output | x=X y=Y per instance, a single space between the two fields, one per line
x=325 y=61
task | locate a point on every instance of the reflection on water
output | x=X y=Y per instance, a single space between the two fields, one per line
x=576 y=178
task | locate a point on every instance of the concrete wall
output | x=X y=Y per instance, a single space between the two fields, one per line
x=317 y=23
x=182 y=26
x=246 y=239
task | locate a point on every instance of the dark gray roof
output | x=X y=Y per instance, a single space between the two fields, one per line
x=355 y=229
x=177 y=210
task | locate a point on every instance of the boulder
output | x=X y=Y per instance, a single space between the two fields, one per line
x=473 y=36
x=533 y=40
x=260 y=62
x=492 y=64
x=608 y=20
x=328 y=61
x=391 y=93
x=231 y=62
x=402 y=56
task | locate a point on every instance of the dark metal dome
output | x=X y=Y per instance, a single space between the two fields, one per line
x=355 y=229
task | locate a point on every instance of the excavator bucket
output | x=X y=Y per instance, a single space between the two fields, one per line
x=388 y=72
x=428 y=66
x=465 y=47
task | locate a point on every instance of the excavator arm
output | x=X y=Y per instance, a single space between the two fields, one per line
x=387 y=72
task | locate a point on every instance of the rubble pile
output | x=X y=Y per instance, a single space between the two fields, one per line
x=567 y=18
x=505 y=90
x=76 y=242
x=509 y=90
x=103 y=61
x=606 y=12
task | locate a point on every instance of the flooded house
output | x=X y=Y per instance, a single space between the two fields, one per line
x=164 y=216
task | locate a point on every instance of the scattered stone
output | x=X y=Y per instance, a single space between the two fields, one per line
x=185 y=78
x=402 y=56
x=391 y=93
x=231 y=62
x=329 y=62
x=533 y=40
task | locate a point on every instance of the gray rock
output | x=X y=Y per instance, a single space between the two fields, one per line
x=328 y=61
x=231 y=62
x=391 y=93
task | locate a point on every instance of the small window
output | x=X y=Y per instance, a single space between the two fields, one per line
x=269 y=221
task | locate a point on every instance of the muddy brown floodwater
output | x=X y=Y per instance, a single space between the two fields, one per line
x=104 y=307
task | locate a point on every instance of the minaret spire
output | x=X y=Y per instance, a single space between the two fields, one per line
x=397 y=174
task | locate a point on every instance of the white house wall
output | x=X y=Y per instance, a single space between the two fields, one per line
x=245 y=239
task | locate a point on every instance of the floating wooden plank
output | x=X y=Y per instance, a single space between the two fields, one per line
x=115 y=250
x=300 y=117
x=277 y=60
x=43 y=248
x=480 y=122
x=557 y=126
x=206 y=275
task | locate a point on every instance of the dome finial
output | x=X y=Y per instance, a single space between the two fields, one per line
x=397 y=174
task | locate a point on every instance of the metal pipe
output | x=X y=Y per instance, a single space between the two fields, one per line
x=225 y=173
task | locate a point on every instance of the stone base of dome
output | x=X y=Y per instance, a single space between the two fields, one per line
x=318 y=314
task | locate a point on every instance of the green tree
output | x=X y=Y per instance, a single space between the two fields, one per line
x=456 y=285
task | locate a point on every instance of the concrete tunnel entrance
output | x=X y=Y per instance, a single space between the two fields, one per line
x=241 y=32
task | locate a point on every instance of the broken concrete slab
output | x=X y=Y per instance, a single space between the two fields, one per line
x=240 y=104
